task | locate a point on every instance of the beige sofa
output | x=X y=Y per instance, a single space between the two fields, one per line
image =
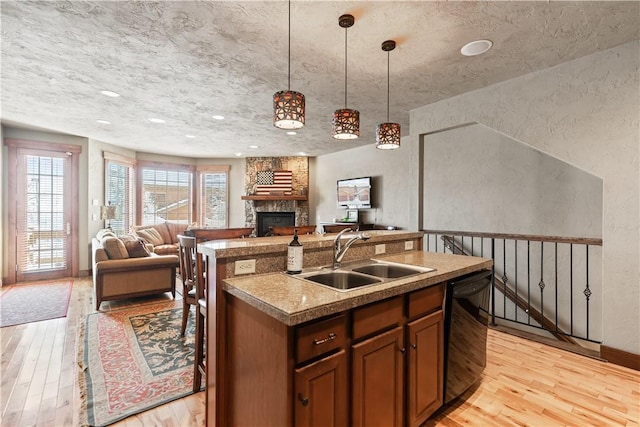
x=163 y=236
x=116 y=275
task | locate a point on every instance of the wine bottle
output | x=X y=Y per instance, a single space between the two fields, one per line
x=294 y=255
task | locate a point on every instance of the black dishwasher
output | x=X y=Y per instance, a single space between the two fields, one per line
x=465 y=331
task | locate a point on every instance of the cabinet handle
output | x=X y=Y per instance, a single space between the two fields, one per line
x=414 y=346
x=402 y=350
x=303 y=400
x=330 y=337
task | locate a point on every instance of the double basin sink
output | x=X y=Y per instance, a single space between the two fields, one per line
x=370 y=272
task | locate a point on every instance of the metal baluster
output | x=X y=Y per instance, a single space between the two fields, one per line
x=493 y=283
x=571 y=286
x=541 y=284
x=528 y=282
x=587 y=291
x=505 y=279
x=556 y=284
x=515 y=246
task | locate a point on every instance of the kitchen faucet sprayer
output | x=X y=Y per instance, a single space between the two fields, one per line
x=339 y=250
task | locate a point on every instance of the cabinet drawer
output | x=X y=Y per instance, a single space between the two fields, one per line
x=320 y=337
x=426 y=300
x=377 y=316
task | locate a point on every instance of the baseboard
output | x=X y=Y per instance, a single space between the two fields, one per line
x=84 y=273
x=620 y=357
x=552 y=342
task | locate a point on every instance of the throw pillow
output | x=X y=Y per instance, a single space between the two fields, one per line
x=136 y=248
x=151 y=235
x=114 y=248
x=104 y=233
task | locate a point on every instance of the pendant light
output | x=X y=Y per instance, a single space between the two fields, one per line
x=346 y=122
x=288 y=105
x=388 y=134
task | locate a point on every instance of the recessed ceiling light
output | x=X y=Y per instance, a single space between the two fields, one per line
x=190 y=136
x=156 y=120
x=476 y=47
x=218 y=117
x=292 y=133
x=253 y=146
x=104 y=122
x=110 y=93
x=302 y=153
x=238 y=154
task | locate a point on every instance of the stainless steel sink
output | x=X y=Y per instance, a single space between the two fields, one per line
x=342 y=280
x=388 y=271
x=362 y=273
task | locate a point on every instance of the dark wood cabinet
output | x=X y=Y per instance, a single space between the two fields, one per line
x=378 y=380
x=321 y=393
x=425 y=366
x=379 y=364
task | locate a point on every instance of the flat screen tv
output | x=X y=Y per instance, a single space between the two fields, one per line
x=354 y=193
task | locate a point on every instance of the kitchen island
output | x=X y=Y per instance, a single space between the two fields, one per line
x=284 y=351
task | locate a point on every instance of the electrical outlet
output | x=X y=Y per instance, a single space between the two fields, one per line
x=246 y=266
x=408 y=245
x=380 y=249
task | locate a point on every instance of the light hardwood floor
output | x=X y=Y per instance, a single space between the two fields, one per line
x=525 y=382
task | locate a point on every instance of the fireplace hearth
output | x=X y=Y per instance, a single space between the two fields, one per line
x=264 y=220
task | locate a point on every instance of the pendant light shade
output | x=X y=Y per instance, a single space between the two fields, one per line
x=346 y=122
x=288 y=105
x=388 y=134
x=288 y=109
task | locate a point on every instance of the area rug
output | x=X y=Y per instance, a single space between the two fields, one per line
x=34 y=302
x=132 y=360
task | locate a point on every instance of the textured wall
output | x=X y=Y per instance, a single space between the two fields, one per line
x=486 y=181
x=394 y=175
x=584 y=112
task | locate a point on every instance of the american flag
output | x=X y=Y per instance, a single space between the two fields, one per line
x=274 y=182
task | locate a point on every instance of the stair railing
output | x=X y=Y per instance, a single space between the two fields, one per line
x=546 y=282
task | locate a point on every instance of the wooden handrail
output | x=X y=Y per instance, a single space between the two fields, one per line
x=531 y=237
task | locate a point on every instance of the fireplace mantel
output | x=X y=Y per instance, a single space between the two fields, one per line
x=267 y=197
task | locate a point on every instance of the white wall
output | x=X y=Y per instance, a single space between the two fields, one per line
x=394 y=173
x=482 y=180
x=584 y=112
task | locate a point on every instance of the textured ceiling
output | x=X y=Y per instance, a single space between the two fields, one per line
x=186 y=61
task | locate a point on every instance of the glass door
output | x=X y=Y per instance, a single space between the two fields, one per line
x=43 y=213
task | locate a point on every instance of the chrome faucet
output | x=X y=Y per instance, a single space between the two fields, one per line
x=339 y=250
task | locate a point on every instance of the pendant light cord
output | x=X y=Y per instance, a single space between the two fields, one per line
x=388 y=85
x=289 y=61
x=345 y=67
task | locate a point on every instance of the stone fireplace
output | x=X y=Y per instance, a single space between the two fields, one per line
x=298 y=207
x=266 y=219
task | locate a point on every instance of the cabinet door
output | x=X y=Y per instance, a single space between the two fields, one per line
x=425 y=367
x=378 y=384
x=321 y=393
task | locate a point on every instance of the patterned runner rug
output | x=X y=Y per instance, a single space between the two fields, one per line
x=132 y=360
x=32 y=303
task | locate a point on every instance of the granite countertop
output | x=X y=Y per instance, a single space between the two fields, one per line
x=264 y=245
x=292 y=301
